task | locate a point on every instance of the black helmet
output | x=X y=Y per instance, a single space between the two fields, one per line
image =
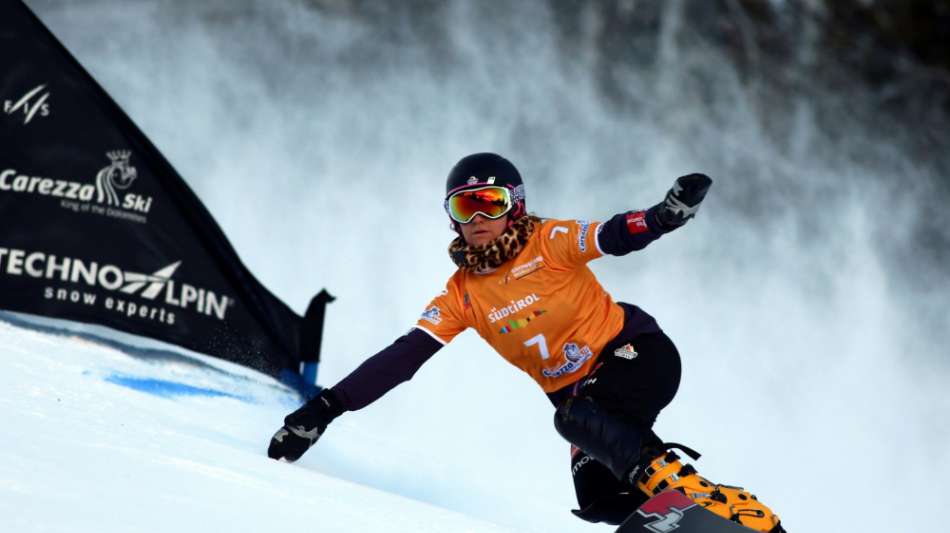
x=486 y=168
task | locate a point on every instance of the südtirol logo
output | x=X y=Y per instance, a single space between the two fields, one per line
x=28 y=105
x=157 y=297
x=496 y=313
x=100 y=198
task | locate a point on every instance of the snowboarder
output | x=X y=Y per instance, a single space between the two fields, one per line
x=524 y=285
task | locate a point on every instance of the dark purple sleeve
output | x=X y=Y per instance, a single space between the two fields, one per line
x=627 y=232
x=379 y=374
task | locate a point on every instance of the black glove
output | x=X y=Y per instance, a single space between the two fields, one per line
x=304 y=426
x=681 y=202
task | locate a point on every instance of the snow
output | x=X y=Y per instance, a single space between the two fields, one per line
x=86 y=451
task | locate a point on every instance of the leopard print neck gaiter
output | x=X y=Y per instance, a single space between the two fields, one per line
x=492 y=255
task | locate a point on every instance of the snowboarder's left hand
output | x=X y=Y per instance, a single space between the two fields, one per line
x=681 y=202
x=304 y=426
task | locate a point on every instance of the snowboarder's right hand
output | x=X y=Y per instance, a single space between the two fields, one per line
x=304 y=426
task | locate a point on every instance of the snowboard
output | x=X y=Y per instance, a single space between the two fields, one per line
x=672 y=511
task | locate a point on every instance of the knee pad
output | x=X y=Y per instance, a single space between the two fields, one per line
x=610 y=440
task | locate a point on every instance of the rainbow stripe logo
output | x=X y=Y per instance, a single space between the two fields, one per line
x=518 y=323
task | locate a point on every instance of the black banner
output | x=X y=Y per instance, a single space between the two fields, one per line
x=96 y=226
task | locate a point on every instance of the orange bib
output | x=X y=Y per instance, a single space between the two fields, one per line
x=543 y=311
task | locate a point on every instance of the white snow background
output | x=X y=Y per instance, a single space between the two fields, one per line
x=813 y=345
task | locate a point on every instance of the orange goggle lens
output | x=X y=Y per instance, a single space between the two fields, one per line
x=491 y=202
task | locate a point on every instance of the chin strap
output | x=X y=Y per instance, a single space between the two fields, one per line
x=665 y=471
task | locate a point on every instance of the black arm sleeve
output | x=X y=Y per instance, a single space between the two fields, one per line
x=379 y=374
x=630 y=231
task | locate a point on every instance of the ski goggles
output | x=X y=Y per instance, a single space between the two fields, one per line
x=491 y=202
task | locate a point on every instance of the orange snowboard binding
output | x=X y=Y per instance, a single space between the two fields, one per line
x=665 y=471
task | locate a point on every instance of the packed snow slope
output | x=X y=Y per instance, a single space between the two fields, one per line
x=102 y=439
x=811 y=321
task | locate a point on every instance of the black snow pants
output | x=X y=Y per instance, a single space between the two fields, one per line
x=608 y=417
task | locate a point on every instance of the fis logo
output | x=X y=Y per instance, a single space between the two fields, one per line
x=28 y=105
